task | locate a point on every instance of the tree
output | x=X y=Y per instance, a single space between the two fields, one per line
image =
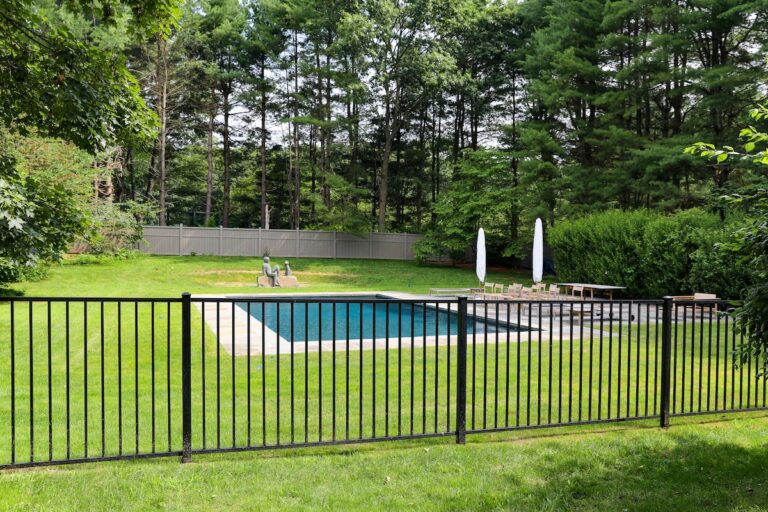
x=405 y=63
x=482 y=195
x=221 y=27
x=65 y=87
x=752 y=244
x=264 y=42
x=58 y=84
x=37 y=221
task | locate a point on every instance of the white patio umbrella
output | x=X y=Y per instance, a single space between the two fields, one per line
x=538 y=252
x=480 y=265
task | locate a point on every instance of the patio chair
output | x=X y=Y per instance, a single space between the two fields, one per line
x=538 y=290
x=515 y=289
x=511 y=292
x=554 y=292
x=485 y=292
x=494 y=292
x=577 y=290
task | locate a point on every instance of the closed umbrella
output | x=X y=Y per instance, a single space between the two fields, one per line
x=538 y=252
x=480 y=265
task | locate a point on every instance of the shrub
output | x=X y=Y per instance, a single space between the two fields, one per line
x=651 y=254
x=668 y=245
x=115 y=228
x=37 y=222
x=604 y=248
x=716 y=268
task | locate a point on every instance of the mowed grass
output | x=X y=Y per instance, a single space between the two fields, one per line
x=133 y=384
x=170 y=276
x=694 y=465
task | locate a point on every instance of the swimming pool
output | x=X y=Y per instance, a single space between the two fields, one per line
x=315 y=321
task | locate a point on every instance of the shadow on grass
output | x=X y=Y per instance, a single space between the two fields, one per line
x=637 y=467
x=10 y=292
x=684 y=471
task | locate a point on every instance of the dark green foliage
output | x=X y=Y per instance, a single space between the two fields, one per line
x=116 y=228
x=751 y=248
x=679 y=254
x=604 y=248
x=66 y=78
x=66 y=86
x=651 y=254
x=37 y=222
x=483 y=195
x=749 y=245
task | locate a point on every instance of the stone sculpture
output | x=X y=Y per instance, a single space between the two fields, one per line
x=273 y=273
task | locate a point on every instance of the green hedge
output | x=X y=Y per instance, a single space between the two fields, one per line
x=651 y=254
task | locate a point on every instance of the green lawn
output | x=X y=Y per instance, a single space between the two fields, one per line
x=169 y=276
x=696 y=464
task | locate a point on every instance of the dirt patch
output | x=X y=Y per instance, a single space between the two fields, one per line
x=258 y=273
x=224 y=272
x=240 y=284
x=302 y=273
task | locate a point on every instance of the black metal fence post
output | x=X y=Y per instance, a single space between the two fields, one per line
x=666 y=356
x=186 y=376
x=461 y=372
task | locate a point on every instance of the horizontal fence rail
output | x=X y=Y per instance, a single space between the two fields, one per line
x=183 y=241
x=100 y=379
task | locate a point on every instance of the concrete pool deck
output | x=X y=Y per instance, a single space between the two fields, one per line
x=236 y=329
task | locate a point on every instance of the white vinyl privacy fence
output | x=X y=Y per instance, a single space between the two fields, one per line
x=182 y=241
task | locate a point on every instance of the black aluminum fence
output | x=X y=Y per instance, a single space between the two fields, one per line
x=99 y=379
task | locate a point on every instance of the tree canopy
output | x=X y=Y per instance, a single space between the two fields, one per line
x=64 y=77
x=431 y=116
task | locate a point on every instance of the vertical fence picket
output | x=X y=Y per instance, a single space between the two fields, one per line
x=548 y=385
x=461 y=371
x=186 y=377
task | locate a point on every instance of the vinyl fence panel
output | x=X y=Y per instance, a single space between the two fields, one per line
x=289 y=243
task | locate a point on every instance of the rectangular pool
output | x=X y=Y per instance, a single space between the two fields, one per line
x=315 y=321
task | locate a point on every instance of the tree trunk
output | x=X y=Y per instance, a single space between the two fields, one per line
x=209 y=177
x=129 y=165
x=263 y=147
x=162 y=102
x=391 y=129
x=225 y=208
x=383 y=189
x=151 y=172
x=327 y=135
x=296 y=206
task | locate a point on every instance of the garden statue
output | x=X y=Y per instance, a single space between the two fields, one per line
x=272 y=272
x=288 y=269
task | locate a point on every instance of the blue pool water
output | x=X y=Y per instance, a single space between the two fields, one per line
x=315 y=321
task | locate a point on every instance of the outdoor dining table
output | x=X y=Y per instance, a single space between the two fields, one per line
x=591 y=288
